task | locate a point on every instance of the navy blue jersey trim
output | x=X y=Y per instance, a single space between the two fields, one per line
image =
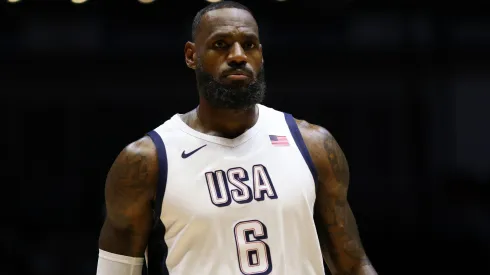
x=157 y=248
x=293 y=128
x=157 y=252
x=162 y=171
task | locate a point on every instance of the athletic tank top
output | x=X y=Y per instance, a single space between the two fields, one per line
x=234 y=206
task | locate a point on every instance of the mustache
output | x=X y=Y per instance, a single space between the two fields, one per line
x=244 y=70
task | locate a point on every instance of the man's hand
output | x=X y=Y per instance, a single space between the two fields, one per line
x=340 y=241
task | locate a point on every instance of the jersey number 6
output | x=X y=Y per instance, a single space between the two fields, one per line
x=253 y=254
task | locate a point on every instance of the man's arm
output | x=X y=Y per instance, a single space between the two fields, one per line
x=341 y=244
x=129 y=192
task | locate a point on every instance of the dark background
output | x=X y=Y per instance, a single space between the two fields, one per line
x=405 y=89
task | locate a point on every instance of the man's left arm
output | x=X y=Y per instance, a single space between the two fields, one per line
x=341 y=244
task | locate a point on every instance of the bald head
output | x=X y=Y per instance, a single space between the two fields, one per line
x=213 y=7
x=228 y=21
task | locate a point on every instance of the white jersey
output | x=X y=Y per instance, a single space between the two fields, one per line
x=235 y=206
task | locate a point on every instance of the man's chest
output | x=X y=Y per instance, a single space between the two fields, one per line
x=224 y=186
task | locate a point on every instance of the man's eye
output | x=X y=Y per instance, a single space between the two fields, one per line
x=248 y=45
x=220 y=44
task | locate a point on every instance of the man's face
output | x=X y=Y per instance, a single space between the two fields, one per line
x=229 y=65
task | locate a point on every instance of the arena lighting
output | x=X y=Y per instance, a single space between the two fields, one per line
x=213 y=1
x=78 y=1
x=146 y=1
x=13 y=1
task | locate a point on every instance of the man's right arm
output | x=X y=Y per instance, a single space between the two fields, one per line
x=129 y=192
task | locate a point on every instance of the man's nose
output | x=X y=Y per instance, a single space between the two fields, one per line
x=237 y=56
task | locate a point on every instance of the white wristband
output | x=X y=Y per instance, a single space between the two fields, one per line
x=110 y=264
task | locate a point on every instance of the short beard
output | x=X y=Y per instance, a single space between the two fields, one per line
x=235 y=97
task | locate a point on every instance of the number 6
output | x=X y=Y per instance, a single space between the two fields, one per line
x=253 y=254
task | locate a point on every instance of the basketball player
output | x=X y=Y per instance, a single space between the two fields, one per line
x=232 y=186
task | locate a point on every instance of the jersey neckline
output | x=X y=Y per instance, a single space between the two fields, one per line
x=246 y=136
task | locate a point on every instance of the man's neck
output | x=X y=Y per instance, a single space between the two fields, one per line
x=226 y=123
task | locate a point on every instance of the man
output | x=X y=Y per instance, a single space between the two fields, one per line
x=230 y=187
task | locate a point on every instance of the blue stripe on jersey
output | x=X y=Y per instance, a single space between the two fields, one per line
x=293 y=128
x=157 y=248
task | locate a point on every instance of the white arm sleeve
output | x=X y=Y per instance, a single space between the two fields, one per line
x=114 y=264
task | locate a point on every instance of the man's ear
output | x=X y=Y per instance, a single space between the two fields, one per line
x=190 y=55
x=260 y=48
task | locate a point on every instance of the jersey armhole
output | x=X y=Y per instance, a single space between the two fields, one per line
x=157 y=250
x=298 y=139
x=162 y=171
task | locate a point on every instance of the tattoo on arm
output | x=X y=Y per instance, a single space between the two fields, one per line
x=337 y=160
x=130 y=188
x=343 y=242
x=124 y=183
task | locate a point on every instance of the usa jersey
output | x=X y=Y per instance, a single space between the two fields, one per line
x=234 y=206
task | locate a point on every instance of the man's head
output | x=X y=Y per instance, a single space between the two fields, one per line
x=227 y=56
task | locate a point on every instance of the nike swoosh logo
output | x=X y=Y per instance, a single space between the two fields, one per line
x=184 y=155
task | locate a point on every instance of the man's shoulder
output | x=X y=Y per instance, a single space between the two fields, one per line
x=143 y=147
x=312 y=133
x=138 y=155
x=319 y=142
x=136 y=166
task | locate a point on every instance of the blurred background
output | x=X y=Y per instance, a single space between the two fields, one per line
x=405 y=89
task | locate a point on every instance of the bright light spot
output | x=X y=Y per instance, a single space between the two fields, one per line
x=78 y=1
x=146 y=1
x=213 y=1
x=13 y=1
